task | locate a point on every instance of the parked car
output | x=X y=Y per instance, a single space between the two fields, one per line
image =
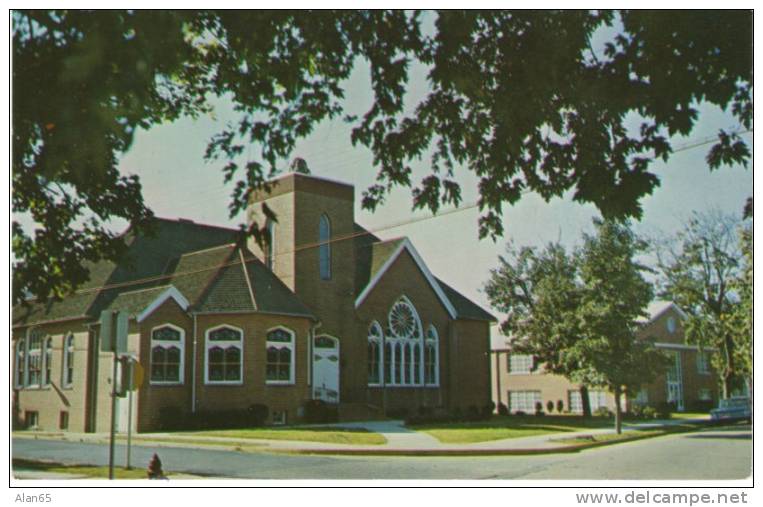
x=733 y=409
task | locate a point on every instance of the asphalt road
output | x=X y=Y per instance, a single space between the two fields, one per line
x=722 y=453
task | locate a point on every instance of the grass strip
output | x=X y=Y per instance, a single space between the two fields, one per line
x=351 y=436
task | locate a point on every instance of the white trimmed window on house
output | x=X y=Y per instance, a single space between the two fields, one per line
x=167 y=354
x=523 y=401
x=375 y=361
x=520 y=364
x=705 y=394
x=279 y=368
x=224 y=355
x=324 y=247
x=703 y=363
x=596 y=400
x=270 y=248
x=46 y=378
x=34 y=359
x=67 y=372
x=20 y=363
x=432 y=357
x=642 y=398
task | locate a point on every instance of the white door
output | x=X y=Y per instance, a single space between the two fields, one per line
x=326 y=369
x=675 y=385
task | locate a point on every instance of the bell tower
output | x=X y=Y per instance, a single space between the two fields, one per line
x=313 y=252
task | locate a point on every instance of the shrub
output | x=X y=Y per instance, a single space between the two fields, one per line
x=538 y=408
x=488 y=410
x=503 y=409
x=649 y=413
x=602 y=412
x=559 y=406
x=473 y=413
x=664 y=409
x=258 y=414
x=397 y=413
x=456 y=413
x=549 y=406
x=318 y=411
x=425 y=411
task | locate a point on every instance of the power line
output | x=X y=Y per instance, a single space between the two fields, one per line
x=346 y=237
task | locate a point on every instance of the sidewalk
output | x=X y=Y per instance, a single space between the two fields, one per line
x=401 y=441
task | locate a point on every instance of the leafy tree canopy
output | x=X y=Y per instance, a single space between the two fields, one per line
x=578 y=314
x=522 y=99
x=707 y=271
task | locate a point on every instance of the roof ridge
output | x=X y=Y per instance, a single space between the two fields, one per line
x=145 y=289
x=204 y=250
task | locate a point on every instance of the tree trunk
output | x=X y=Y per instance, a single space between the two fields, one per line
x=585 y=402
x=618 y=412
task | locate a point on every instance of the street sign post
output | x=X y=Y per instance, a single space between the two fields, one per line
x=114 y=327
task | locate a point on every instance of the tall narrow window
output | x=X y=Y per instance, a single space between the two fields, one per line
x=34 y=359
x=167 y=353
x=224 y=355
x=324 y=248
x=48 y=362
x=270 y=249
x=375 y=338
x=20 y=362
x=388 y=363
x=280 y=353
x=67 y=372
x=432 y=357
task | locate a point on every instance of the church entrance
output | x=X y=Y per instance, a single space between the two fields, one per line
x=326 y=369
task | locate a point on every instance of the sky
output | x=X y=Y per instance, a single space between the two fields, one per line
x=178 y=183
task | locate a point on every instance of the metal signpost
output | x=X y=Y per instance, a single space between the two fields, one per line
x=132 y=378
x=113 y=339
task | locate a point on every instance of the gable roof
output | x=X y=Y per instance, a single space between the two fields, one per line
x=200 y=263
x=374 y=257
x=656 y=308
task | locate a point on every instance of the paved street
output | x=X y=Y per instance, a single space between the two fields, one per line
x=721 y=453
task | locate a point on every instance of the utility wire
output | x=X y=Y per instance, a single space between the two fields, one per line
x=346 y=237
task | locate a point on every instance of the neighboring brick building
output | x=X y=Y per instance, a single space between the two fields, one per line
x=689 y=382
x=327 y=311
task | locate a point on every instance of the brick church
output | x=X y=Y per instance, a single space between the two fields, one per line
x=326 y=310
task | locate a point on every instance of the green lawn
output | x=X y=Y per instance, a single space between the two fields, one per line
x=501 y=427
x=689 y=415
x=94 y=472
x=357 y=436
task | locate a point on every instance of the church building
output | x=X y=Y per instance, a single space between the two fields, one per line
x=324 y=311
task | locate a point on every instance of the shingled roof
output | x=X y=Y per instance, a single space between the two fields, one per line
x=202 y=262
x=372 y=255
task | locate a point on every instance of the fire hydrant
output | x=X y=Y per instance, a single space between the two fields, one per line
x=155 y=468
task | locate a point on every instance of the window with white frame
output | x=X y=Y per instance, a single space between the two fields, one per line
x=270 y=248
x=375 y=339
x=596 y=399
x=224 y=355
x=404 y=345
x=279 y=368
x=324 y=247
x=703 y=363
x=34 y=359
x=46 y=378
x=20 y=362
x=67 y=372
x=642 y=398
x=167 y=354
x=519 y=364
x=432 y=357
x=523 y=401
x=705 y=394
